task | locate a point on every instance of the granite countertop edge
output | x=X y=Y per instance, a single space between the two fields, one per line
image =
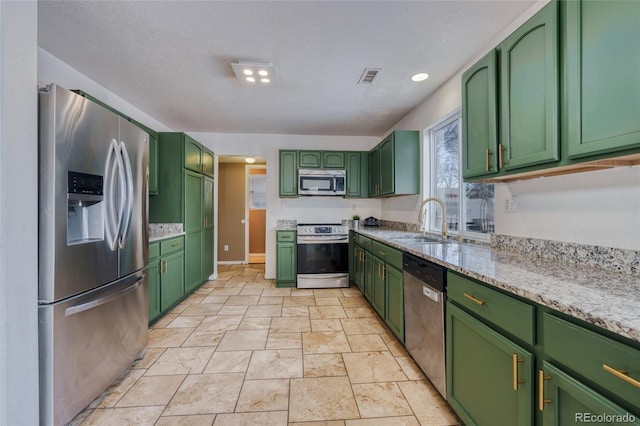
x=165 y=236
x=603 y=298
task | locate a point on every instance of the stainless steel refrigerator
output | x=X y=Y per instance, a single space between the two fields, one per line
x=93 y=250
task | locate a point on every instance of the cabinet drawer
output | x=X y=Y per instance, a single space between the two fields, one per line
x=390 y=255
x=172 y=244
x=364 y=242
x=587 y=353
x=506 y=312
x=285 y=236
x=154 y=251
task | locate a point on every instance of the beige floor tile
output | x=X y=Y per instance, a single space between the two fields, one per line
x=113 y=393
x=360 y=312
x=181 y=361
x=263 y=395
x=254 y=323
x=228 y=362
x=273 y=418
x=352 y=292
x=149 y=391
x=215 y=299
x=327 y=301
x=386 y=421
x=290 y=325
x=354 y=302
x=226 y=291
x=263 y=311
x=362 y=326
x=206 y=394
x=270 y=300
x=243 y=340
x=325 y=342
x=295 y=311
x=194 y=299
x=301 y=292
x=321 y=398
x=410 y=368
x=324 y=365
x=427 y=404
x=242 y=300
x=150 y=356
x=326 y=325
x=197 y=420
x=232 y=309
x=394 y=345
x=326 y=312
x=299 y=301
x=328 y=292
x=327 y=423
x=124 y=416
x=179 y=309
x=281 y=292
x=249 y=290
x=236 y=282
x=381 y=400
x=163 y=321
x=205 y=309
x=371 y=367
x=366 y=343
x=223 y=323
x=168 y=337
x=204 y=338
x=275 y=364
x=186 y=321
x=284 y=341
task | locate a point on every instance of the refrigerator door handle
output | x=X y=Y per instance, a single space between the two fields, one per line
x=110 y=196
x=83 y=307
x=127 y=206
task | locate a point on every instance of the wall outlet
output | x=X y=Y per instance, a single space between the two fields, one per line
x=511 y=204
x=226 y=247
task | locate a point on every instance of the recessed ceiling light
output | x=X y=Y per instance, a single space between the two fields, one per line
x=247 y=72
x=250 y=160
x=421 y=76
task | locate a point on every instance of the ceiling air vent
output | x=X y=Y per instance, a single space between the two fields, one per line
x=368 y=75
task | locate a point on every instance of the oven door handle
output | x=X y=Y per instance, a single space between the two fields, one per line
x=322 y=276
x=314 y=240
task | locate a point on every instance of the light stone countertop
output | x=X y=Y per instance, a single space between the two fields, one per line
x=610 y=300
x=161 y=231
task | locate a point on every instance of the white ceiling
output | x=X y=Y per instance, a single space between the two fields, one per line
x=171 y=58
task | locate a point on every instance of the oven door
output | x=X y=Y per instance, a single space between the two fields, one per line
x=323 y=261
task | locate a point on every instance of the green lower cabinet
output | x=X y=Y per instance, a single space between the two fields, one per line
x=359 y=268
x=378 y=293
x=565 y=401
x=172 y=280
x=395 y=301
x=286 y=267
x=194 y=242
x=489 y=378
x=153 y=276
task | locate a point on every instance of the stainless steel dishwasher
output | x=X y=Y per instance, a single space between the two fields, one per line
x=424 y=302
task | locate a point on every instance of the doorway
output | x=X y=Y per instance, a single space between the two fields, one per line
x=256 y=212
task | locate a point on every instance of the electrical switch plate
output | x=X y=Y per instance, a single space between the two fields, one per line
x=226 y=247
x=511 y=204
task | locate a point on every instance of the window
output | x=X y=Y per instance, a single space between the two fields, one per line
x=469 y=205
x=257 y=191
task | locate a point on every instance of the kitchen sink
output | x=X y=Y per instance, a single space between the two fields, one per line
x=419 y=240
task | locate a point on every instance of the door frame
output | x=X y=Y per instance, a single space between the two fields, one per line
x=247 y=204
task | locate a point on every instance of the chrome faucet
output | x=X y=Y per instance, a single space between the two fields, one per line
x=422 y=214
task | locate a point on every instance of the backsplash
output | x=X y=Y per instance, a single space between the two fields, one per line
x=609 y=258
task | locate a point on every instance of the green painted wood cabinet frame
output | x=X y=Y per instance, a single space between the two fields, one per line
x=166 y=275
x=286 y=258
x=288 y=169
x=394 y=165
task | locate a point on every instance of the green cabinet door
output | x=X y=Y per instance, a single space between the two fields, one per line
x=529 y=92
x=479 y=118
x=153 y=274
x=387 y=166
x=194 y=229
x=172 y=280
x=565 y=401
x=333 y=159
x=602 y=51
x=489 y=378
x=208 y=249
x=374 y=172
x=395 y=301
x=286 y=264
x=309 y=159
x=358 y=268
x=193 y=259
x=153 y=164
x=378 y=293
x=357 y=164
x=207 y=162
x=288 y=173
x=192 y=154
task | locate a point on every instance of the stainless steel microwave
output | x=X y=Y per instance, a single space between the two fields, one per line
x=321 y=182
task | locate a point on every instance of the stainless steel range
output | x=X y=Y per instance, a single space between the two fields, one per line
x=323 y=255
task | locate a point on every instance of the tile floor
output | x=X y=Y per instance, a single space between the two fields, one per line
x=241 y=352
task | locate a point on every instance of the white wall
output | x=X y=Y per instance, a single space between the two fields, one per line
x=304 y=209
x=18 y=214
x=600 y=208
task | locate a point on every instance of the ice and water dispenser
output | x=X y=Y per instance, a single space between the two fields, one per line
x=85 y=218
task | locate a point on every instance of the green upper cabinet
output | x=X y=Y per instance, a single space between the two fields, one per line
x=602 y=60
x=357 y=164
x=394 y=165
x=207 y=162
x=192 y=154
x=479 y=118
x=309 y=159
x=529 y=92
x=288 y=173
x=333 y=159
